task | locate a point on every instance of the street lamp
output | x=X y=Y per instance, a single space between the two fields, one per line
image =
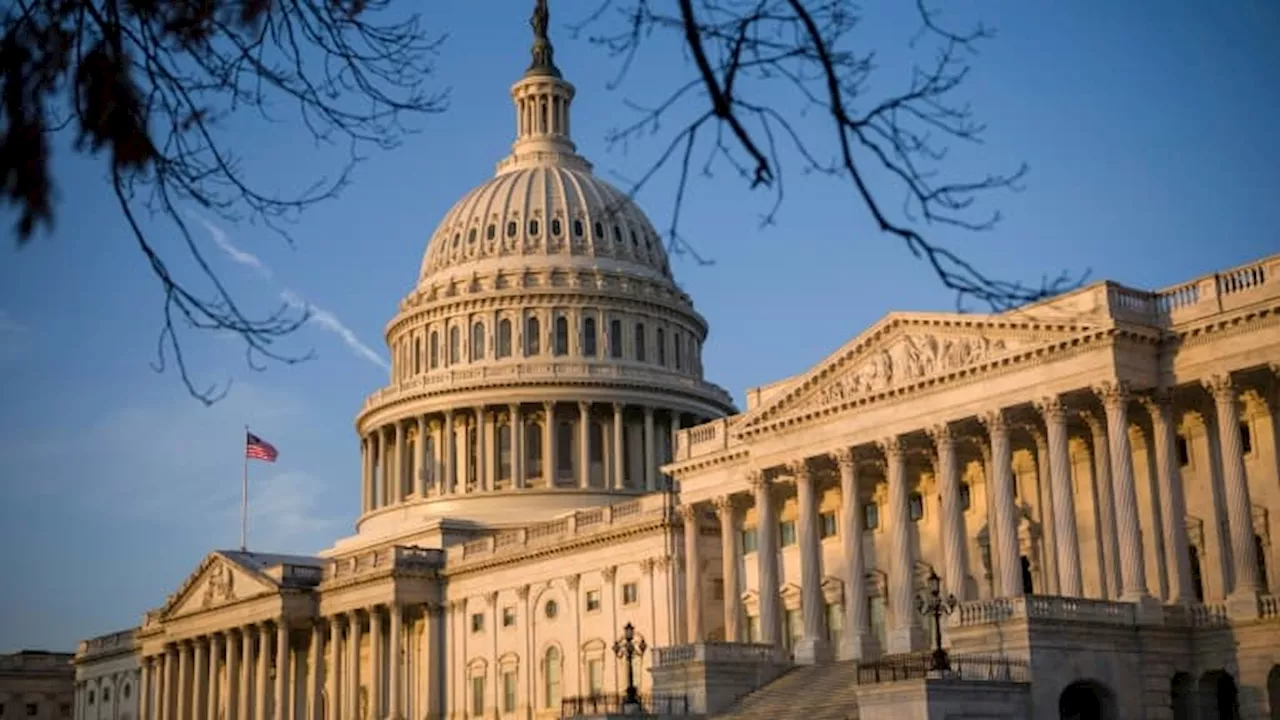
x=937 y=606
x=628 y=648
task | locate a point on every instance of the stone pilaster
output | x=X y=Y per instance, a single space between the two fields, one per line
x=1243 y=598
x=1006 y=511
x=548 y=444
x=619 y=455
x=650 y=450
x=857 y=619
x=584 y=445
x=905 y=634
x=1173 y=503
x=727 y=510
x=767 y=559
x=450 y=478
x=692 y=574
x=1115 y=400
x=813 y=647
x=1067 y=545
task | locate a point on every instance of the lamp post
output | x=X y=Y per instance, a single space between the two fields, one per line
x=937 y=606
x=628 y=648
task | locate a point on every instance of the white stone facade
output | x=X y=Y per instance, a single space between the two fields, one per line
x=1063 y=468
x=107 y=677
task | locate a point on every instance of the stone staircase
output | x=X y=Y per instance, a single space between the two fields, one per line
x=808 y=692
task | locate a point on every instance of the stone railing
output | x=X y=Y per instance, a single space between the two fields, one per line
x=382 y=560
x=106 y=644
x=704 y=439
x=42 y=662
x=983 y=612
x=522 y=371
x=1269 y=607
x=1078 y=610
x=714 y=652
x=1198 y=298
x=580 y=522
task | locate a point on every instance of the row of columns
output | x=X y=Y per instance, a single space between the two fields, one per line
x=389 y=456
x=1114 y=469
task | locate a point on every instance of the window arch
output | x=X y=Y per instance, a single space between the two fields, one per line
x=639 y=342
x=434 y=351
x=477 y=341
x=589 y=336
x=533 y=450
x=490 y=231
x=455 y=344
x=676 y=348
x=532 y=337
x=660 y=342
x=562 y=336
x=503 y=348
x=551 y=678
x=511 y=228
x=417 y=355
x=615 y=338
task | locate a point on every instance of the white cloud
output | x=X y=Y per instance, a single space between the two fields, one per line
x=322 y=318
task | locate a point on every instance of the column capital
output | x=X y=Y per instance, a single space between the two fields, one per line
x=1051 y=407
x=522 y=592
x=941 y=434
x=573 y=580
x=584 y=406
x=609 y=572
x=726 y=505
x=547 y=405
x=1113 y=393
x=618 y=408
x=1096 y=425
x=798 y=469
x=688 y=513
x=843 y=457
x=648 y=412
x=1156 y=399
x=757 y=479
x=891 y=446
x=1221 y=386
x=491 y=599
x=994 y=421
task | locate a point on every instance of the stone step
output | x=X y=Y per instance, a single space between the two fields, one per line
x=814 y=692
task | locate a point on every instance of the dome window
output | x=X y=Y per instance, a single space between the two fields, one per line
x=532 y=333
x=533 y=228
x=639 y=342
x=555 y=226
x=471 y=236
x=615 y=339
x=617 y=234
x=634 y=243
x=562 y=336
x=675 y=341
x=477 y=342
x=433 y=357
x=490 y=232
x=503 y=348
x=511 y=229
x=577 y=228
x=589 y=337
x=457 y=238
x=660 y=345
x=455 y=345
x=599 y=230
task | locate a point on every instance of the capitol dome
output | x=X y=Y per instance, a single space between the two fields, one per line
x=546 y=357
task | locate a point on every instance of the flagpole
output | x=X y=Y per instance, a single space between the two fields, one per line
x=244 y=493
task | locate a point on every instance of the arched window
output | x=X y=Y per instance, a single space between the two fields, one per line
x=429 y=460
x=639 y=342
x=1197 y=580
x=676 y=349
x=490 y=231
x=504 y=451
x=589 y=336
x=551 y=679
x=562 y=336
x=555 y=226
x=564 y=450
x=504 y=339
x=577 y=228
x=660 y=341
x=511 y=229
x=477 y=341
x=434 y=351
x=615 y=338
x=455 y=345
x=533 y=450
x=417 y=355
x=532 y=335
x=533 y=228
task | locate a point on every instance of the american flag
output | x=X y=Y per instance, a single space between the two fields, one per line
x=259 y=449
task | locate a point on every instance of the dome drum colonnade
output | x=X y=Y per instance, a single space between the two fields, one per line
x=1104 y=410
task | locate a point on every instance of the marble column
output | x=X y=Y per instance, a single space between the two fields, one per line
x=262 y=686
x=172 y=678
x=953 y=567
x=905 y=634
x=365 y=495
x=351 y=692
x=420 y=474
x=231 y=658
x=185 y=689
x=282 y=667
x=692 y=574
x=1173 y=503
x=857 y=619
x=394 y=668
x=584 y=445
x=315 y=659
x=1235 y=484
x=462 y=440
x=333 y=691
x=727 y=510
x=650 y=464
x=813 y=647
x=244 y=703
x=481 y=466
x=450 y=475
x=548 y=444
x=1115 y=400
x=397 y=464
x=377 y=679
x=767 y=559
x=211 y=684
x=1006 y=510
x=619 y=454
x=1044 y=496
x=1107 y=533
x=517 y=445
x=144 y=689
x=1067 y=545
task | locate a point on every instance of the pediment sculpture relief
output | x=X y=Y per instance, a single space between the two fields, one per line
x=911 y=358
x=220 y=585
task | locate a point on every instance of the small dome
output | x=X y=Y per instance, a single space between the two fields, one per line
x=541 y=215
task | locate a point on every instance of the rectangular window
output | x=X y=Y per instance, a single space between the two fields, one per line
x=660 y=340
x=748 y=540
x=564 y=449
x=871 y=516
x=675 y=350
x=827 y=524
x=965 y=496
x=477 y=695
x=504 y=451
x=509 y=691
x=615 y=338
x=639 y=342
x=1184 y=452
x=630 y=593
x=787 y=533
x=509 y=616
x=915 y=505
x=595 y=676
x=589 y=337
x=477 y=622
x=1246 y=438
x=593 y=600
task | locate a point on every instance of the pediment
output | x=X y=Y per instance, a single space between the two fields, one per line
x=905 y=349
x=217 y=581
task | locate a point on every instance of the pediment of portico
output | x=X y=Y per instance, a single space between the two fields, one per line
x=908 y=350
x=218 y=581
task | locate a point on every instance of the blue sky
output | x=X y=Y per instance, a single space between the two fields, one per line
x=1148 y=127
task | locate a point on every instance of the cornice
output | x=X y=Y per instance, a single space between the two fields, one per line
x=463 y=568
x=695 y=465
x=1212 y=328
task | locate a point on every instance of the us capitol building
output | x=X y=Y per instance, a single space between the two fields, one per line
x=1093 y=478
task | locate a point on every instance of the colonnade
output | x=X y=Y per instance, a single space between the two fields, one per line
x=488 y=448
x=1047 y=418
